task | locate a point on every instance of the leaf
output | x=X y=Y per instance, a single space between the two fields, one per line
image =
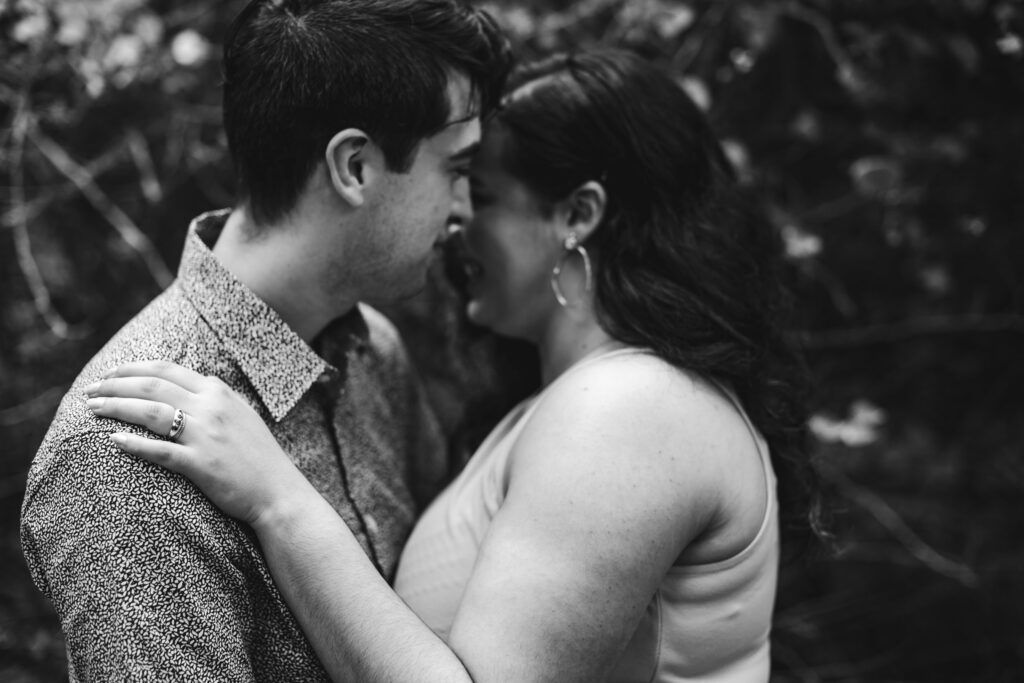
x=31 y=29
x=738 y=155
x=806 y=125
x=672 y=21
x=697 y=90
x=876 y=177
x=800 y=244
x=189 y=48
x=965 y=52
x=1011 y=44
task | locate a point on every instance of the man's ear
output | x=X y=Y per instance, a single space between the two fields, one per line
x=346 y=158
x=584 y=208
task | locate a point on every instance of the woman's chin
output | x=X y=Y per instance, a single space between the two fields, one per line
x=481 y=315
x=476 y=312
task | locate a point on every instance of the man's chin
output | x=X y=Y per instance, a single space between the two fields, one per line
x=413 y=293
x=413 y=288
x=396 y=297
x=409 y=288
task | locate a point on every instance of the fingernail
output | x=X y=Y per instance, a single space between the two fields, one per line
x=95 y=404
x=118 y=438
x=108 y=373
x=92 y=389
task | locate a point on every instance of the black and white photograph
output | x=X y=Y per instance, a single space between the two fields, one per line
x=460 y=341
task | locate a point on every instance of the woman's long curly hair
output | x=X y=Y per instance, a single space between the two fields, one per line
x=683 y=266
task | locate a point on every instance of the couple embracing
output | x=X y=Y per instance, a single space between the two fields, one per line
x=247 y=482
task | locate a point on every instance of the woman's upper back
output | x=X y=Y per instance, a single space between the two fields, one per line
x=675 y=463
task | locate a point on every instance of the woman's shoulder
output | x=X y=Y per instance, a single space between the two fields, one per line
x=630 y=435
x=634 y=390
x=636 y=408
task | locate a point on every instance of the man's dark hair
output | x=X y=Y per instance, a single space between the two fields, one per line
x=298 y=71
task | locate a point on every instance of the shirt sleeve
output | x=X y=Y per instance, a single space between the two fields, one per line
x=148 y=579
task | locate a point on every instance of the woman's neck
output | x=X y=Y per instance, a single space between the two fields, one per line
x=567 y=341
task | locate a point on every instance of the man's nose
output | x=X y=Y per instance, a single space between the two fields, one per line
x=462 y=206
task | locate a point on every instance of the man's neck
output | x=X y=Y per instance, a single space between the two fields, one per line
x=274 y=265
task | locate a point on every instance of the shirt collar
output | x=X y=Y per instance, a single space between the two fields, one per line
x=276 y=361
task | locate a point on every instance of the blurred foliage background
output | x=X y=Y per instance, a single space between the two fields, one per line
x=885 y=139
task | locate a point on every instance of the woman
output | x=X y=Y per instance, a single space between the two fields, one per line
x=621 y=524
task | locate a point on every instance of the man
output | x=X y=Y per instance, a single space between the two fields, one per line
x=351 y=124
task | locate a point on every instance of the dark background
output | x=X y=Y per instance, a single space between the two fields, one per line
x=885 y=139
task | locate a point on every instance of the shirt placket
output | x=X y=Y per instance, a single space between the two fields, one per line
x=329 y=392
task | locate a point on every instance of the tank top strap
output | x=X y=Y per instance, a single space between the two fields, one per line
x=769 y=488
x=759 y=442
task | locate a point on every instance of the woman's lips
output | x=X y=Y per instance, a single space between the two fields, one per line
x=462 y=270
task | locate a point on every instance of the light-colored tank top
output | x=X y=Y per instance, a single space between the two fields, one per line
x=707 y=623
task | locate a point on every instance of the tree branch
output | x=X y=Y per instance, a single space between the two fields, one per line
x=575 y=13
x=148 y=179
x=18 y=216
x=900 y=530
x=86 y=184
x=825 y=31
x=33 y=208
x=908 y=329
x=32 y=408
x=697 y=36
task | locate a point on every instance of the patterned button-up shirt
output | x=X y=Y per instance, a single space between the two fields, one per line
x=149 y=579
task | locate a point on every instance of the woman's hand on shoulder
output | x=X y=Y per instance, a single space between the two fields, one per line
x=608 y=484
x=221 y=444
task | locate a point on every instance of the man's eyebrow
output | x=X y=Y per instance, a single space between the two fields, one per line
x=466 y=152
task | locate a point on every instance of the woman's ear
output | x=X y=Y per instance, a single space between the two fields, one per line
x=346 y=158
x=584 y=208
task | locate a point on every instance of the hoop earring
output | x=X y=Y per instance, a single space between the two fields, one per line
x=571 y=244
